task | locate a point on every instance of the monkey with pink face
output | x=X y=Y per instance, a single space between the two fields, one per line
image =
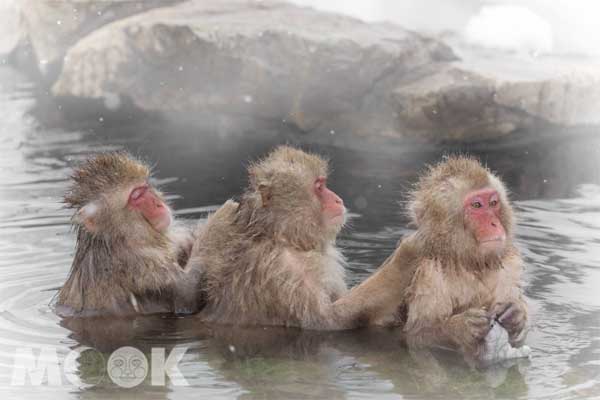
x=448 y=282
x=271 y=259
x=130 y=257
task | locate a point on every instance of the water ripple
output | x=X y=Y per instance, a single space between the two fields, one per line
x=559 y=237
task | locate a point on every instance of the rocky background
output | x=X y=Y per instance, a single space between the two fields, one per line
x=319 y=73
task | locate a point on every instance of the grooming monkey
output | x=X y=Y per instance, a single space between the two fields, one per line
x=129 y=256
x=272 y=258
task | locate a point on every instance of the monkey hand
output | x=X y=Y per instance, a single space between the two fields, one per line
x=470 y=328
x=513 y=317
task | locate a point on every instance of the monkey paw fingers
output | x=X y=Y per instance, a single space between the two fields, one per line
x=513 y=319
x=475 y=327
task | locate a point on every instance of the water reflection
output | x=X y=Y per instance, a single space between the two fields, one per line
x=556 y=185
x=281 y=363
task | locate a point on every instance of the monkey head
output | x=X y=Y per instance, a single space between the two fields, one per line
x=461 y=210
x=113 y=198
x=290 y=199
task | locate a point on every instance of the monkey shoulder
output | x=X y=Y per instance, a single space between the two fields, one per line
x=407 y=258
x=429 y=278
x=428 y=298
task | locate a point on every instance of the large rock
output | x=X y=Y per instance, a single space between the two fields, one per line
x=50 y=27
x=270 y=60
x=322 y=73
x=487 y=97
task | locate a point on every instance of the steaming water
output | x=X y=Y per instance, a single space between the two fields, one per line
x=556 y=190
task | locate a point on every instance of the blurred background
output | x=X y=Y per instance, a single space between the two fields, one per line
x=199 y=88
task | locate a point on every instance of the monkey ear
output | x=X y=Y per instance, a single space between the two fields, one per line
x=87 y=216
x=252 y=178
x=265 y=194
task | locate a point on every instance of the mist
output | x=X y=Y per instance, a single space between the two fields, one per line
x=201 y=90
x=560 y=27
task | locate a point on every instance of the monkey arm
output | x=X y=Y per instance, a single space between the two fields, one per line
x=183 y=238
x=189 y=292
x=429 y=318
x=214 y=229
x=463 y=331
x=373 y=302
x=207 y=234
x=378 y=300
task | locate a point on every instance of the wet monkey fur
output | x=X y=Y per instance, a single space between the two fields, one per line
x=446 y=282
x=271 y=259
x=130 y=255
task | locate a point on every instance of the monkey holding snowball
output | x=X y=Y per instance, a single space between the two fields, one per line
x=460 y=270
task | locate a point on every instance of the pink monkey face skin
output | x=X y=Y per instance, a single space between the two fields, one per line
x=482 y=217
x=154 y=210
x=331 y=204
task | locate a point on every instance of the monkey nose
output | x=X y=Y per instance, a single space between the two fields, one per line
x=339 y=201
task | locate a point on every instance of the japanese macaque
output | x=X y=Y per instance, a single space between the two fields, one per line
x=272 y=258
x=129 y=258
x=458 y=272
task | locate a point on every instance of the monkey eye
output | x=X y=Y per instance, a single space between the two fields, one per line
x=138 y=192
x=493 y=203
x=476 y=204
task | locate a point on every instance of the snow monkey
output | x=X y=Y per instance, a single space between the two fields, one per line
x=129 y=256
x=447 y=281
x=271 y=259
